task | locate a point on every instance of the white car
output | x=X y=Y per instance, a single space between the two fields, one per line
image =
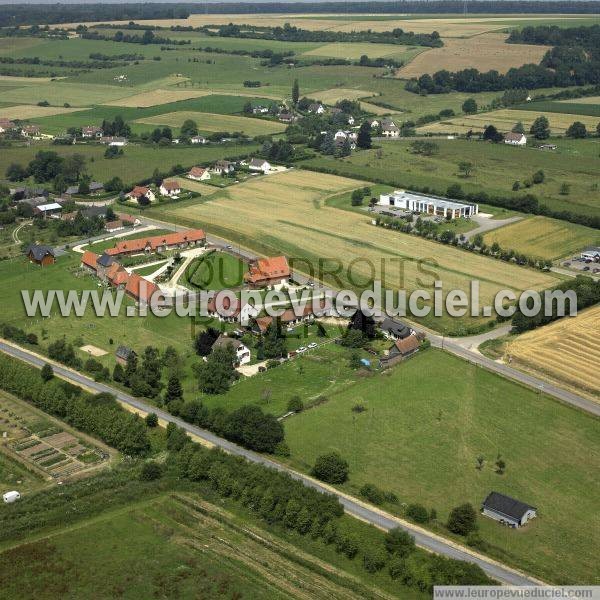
x=312 y=345
x=301 y=349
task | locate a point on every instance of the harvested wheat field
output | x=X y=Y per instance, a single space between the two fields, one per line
x=215 y=122
x=584 y=100
x=336 y=94
x=288 y=213
x=30 y=111
x=567 y=351
x=156 y=97
x=484 y=52
x=505 y=119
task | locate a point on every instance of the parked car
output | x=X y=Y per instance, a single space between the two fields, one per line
x=312 y=345
x=301 y=349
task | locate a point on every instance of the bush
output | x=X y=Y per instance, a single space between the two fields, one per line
x=295 y=404
x=150 y=471
x=418 y=513
x=151 y=419
x=462 y=519
x=374 y=560
x=372 y=493
x=331 y=468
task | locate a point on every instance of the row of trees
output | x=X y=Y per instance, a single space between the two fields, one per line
x=99 y=415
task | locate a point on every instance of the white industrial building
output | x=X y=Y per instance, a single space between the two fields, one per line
x=430 y=205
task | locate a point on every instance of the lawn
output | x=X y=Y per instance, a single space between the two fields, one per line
x=496 y=167
x=427 y=420
x=208 y=122
x=270 y=224
x=544 y=237
x=216 y=271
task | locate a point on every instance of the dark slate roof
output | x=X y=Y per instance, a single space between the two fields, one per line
x=124 y=352
x=39 y=251
x=96 y=185
x=395 y=328
x=33 y=202
x=72 y=189
x=105 y=260
x=94 y=211
x=222 y=341
x=506 y=505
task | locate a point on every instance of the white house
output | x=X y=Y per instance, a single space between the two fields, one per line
x=339 y=135
x=390 y=131
x=242 y=353
x=91 y=131
x=350 y=120
x=515 y=139
x=6 y=124
x=507 y=510
x=198 y=139
x=317 y=109
x=140 y=191
x=259 y=164
x=170 y=188
x=592 y=253
x=374 y=123
x=430 y=205
x=260 y=110
x=114 y=141
x=223 y=166
x=199 y=174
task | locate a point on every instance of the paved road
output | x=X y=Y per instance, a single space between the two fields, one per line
x=378 y=518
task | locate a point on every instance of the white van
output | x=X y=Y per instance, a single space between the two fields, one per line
x=10 y=497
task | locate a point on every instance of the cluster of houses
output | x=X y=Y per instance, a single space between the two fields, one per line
x=226 y=167
x=428 y=205
x=25 y=130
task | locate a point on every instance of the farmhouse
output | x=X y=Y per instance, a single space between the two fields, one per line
x=390 y=131
x=179 y=240
x=268 y=272
x=30 y=131
x=198 y=139
x=259 y=164
x=223 y=167
x=6 y=125
x=113 y=226
x=103 y=263
x=515 y=139
x=230 y=311
x=507 y=510
x=287 y=117
x=89 y=261
x=402 y=348
x=91 y=131
x=95 y=188
x=592 y=253
x=51 y=209
x=430 y=205
x=123 y=353
x=140 y=193
x=316 y=108
x=41 y=255
x=199 y=174
x=242 y=353
x=170 y=188
x=140 y=289
x=395 y=330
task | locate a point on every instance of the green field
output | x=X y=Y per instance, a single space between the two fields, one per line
x=177 y=547
x=426 y=422
x=543 y=237
x=496 y=167
x=572 y=107
x=137 y=162
x=216 y=271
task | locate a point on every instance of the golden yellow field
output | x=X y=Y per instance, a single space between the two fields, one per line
x=334 y=95
x=567 y=351
x=156 y=97
x=445 y=26
x=377 y=110
x=543 y=237
x=216 y=122
x=196 y=186
x=287 y=213
x=31 y=111
x=505 y=119
x=484 y=52
x=354 y=50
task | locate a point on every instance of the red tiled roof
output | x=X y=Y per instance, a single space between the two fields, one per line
x=138 y=191
x=140 y=288
x=113 y=225
x=89 y=259
x=407 y=345
x=171 y=185
x=268 y=268
x=121 y=277
x=171 y=239
x=113 y=270
x=197 y=171
x=226 y=303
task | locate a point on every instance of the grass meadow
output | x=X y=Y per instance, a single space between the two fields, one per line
x=496 y=167
x=424 y=425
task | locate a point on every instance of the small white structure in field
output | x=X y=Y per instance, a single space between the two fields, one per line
x=11 y=497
